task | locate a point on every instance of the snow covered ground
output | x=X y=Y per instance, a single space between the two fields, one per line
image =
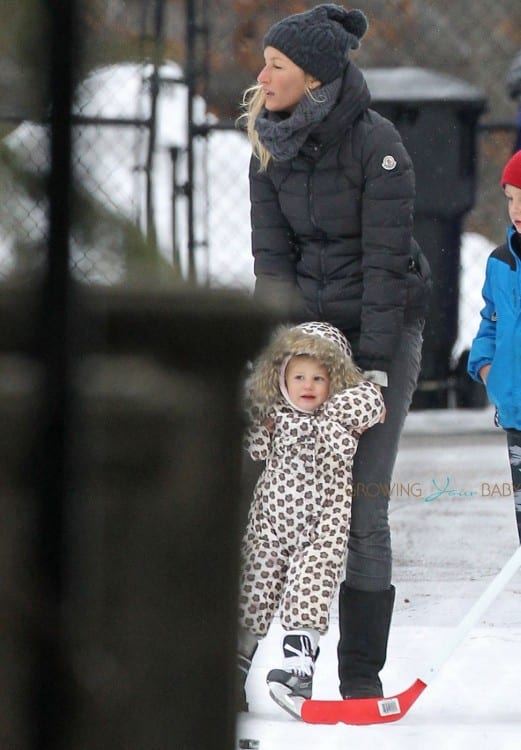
x=446 y=551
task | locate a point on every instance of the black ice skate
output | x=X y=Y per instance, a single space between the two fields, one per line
x=291 y=686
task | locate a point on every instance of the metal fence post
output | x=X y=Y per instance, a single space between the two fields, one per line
x=54 y=342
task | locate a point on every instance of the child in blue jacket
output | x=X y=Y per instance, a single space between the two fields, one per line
x=495 y=355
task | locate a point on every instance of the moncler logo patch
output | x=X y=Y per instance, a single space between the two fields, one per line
x=388 y=162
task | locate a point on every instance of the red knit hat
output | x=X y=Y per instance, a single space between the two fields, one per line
x=512 y=171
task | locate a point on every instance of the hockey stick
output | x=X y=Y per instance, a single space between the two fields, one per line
x=381 y=710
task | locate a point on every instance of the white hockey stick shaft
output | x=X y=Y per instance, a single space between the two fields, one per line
x=473 y=615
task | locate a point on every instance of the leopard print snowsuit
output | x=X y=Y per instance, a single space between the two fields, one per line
x=294 y=547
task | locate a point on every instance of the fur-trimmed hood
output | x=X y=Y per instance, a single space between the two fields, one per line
x=316 y=339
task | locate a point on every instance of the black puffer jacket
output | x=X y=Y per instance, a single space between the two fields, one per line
x=332 y=228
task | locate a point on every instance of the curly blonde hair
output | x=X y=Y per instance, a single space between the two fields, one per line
x=262 y=385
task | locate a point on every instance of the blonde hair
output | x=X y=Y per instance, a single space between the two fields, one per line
x=252 y=104
x=263 y=383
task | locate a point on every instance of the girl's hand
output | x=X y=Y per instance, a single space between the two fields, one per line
x=384 y=412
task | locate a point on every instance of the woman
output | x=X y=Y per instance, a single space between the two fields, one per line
x=332 y=193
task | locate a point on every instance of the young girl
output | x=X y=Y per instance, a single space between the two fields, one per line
x=308 y=405
x=495 y=355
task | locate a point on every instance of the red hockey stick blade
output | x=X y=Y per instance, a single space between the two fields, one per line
x=362 y=710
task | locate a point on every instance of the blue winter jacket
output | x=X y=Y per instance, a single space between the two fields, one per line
x=498 y=340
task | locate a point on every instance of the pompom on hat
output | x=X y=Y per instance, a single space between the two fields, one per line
x=512 y=171
x=319 y=40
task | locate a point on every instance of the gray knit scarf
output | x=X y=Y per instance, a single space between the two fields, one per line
x=284 y=137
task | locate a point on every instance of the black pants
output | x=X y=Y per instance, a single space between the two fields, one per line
x=514 y=456
x=369 y=559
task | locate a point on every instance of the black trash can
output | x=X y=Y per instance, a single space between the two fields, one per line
x=437 y=116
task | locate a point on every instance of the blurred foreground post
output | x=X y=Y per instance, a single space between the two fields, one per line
x=147 y=650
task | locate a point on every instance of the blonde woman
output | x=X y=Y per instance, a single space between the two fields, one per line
x=332 y=194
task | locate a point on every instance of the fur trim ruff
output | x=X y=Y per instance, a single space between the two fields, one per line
x=320 y=340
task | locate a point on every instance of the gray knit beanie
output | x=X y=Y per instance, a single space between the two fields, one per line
x=318 y=41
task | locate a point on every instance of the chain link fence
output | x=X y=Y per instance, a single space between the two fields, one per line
x=131 y=131
x=112 y=137
x=473 y=42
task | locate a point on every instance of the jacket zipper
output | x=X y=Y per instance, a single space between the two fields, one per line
x=515 y=300
x=310 y=199
x=323 y=249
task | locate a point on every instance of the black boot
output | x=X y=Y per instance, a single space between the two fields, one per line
x=365 y=619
